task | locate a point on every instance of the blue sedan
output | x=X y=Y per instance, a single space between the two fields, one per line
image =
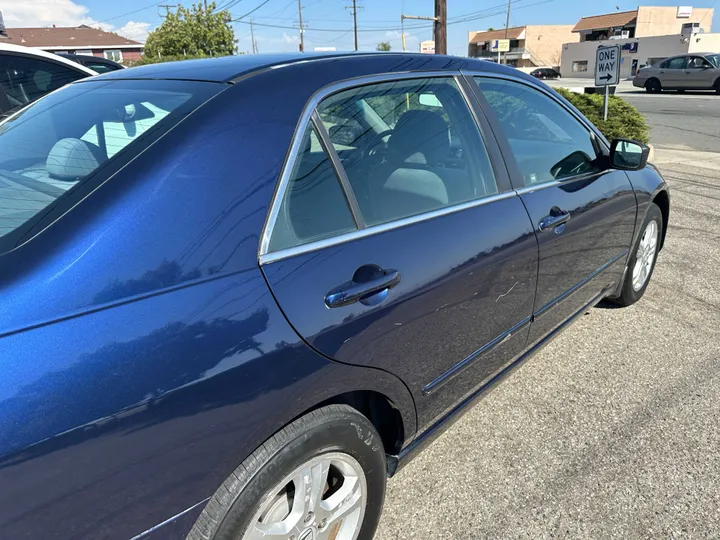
x=239 y=293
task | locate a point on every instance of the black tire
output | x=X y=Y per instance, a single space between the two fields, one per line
x=680 y=91
x=334 y=428
x=628 y=294
x=653 y=86
x=717 y=86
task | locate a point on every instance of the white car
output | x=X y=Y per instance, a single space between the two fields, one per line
x=27 y=74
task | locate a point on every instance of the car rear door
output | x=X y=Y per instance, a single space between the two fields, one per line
x=672 y=73
x=583 y=211
x=403 y=247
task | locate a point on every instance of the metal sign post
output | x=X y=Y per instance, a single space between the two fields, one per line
x=605 y=105
x=607 y=71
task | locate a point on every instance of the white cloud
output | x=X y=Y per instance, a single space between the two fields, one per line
x=29 y=13
x=134 y=30
x=289 y=40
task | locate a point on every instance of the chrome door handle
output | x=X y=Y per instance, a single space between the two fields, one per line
x=556 y=218
x=361 y=287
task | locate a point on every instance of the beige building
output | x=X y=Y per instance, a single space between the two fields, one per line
x=645 y=36
x=644 y=21
x=530 y=46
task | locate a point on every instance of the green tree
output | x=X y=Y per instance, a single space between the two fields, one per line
x=194 y=32
x=491 y=29
x=383 y=46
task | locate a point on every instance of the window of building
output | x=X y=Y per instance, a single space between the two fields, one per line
x=580 y=66
x=114 y=55
x=548 y=142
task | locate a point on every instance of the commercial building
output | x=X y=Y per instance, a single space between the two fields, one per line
x=530 y=46
x=77 y=40
x=645 y=36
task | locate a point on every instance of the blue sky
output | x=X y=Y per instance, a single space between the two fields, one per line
x=328 y=22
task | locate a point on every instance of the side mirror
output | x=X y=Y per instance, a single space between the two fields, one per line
x=628 y=155
x=344 y=135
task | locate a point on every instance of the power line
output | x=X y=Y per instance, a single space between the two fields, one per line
x=334 y=29
x=499 y=10
x=131 y=12
x=251 y=11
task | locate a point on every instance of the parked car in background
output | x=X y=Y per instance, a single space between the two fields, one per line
x=27 y=74
x=232 y=311
x=697 y=71
x=96 y=63
x=545 y=73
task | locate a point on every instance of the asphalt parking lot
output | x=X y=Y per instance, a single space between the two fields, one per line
x=612 y=430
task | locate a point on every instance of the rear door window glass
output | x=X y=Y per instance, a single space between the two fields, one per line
x=674 y=63
x=60 y=141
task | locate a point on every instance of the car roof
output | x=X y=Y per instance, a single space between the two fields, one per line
x=32 y=51
x=229 y=68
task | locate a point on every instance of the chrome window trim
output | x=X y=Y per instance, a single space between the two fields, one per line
x=265 y=256
x=339 y=169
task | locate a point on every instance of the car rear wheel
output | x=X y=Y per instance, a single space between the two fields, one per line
x=321 y=477
x=717 y=86
x=653 y=86
x=642 y=259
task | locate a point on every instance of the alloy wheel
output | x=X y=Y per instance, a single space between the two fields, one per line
x=645 y=256
x=323 y=499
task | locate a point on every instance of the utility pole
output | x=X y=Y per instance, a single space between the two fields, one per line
x=507 y=24
x=414 y=17
x=354 y=9
x=167 y=8
x=252 y=37
x=302 y=40
x=440 y=26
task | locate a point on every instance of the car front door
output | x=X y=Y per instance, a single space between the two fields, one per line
x=699 y=73
x=672 y=73
x=583 y=211
x=399 y=244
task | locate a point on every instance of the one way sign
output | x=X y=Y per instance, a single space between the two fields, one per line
x=607 y=66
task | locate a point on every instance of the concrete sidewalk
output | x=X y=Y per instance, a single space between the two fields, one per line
x=683 y=155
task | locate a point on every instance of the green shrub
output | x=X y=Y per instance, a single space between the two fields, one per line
x=624 y=120
x=144 y=60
